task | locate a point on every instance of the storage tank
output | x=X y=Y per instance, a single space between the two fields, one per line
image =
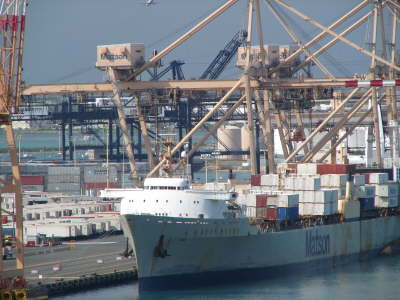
x=229 y=139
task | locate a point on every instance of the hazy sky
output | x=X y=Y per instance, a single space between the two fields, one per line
x=62 y=35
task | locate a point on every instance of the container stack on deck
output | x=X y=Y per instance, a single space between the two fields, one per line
x=321 y=191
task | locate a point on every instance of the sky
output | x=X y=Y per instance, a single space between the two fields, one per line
x=62 y=35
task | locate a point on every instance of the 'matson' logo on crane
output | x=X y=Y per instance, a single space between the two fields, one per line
x=108 y=56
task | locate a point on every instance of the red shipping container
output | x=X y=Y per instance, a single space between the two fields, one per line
x=261 y=200
x=100 y=185
x=292 y=168
x=323 y=169
x=32 y=180
x=4 y=220
x=366 y=178
x=255 y=180
x=272 y=213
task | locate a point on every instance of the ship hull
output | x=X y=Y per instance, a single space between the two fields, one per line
x=180 y=253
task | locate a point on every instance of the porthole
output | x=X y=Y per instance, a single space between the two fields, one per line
x=157 y=201
x=180 y=201
x=144 y=200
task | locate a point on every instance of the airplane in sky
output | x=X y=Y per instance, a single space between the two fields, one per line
x=149 y=2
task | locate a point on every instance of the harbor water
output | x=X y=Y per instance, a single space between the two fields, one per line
x=368 y=280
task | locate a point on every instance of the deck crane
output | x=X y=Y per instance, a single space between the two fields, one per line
x=224 y=56
x=12 y=31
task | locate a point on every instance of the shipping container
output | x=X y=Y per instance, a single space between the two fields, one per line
x=100 y=174
x=321 y=169
x=272 y=212
x=270 y=180
x=65 y=178
x=255 y=180
x=390 y=189
x=32 y=180
x=378 y=178
x=288 y=213
x=359 y=180
x=64 y=170
x=386 y=202
x=369 y=190
x=36 y=188
x=322 y=209
x=261 y=212
x=367 y=203
x=350 y=210
x=70 y=188
x=100 y=185
x=261 y=200
x=288 y=200
x=333 y=180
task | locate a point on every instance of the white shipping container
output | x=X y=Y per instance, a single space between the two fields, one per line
x=387 y=190
x=273 y=201
x=306 y=209
x=307 y=169
x=322 y=209
x=251 y=200
x=270 y=180
x=378 y=178
x=333 y=180
x=386 y=202
x=290 y=183
x=288 y=200
x=321 y=196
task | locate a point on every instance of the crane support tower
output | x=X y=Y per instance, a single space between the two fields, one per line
x=12 y=29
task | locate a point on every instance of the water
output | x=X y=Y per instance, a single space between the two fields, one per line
x=371 y=280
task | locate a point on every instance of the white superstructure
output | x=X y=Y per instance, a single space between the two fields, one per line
x=173 y=197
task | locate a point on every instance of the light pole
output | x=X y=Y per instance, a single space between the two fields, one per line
x=108 y=180
x=74 y=140
x=216 y=155
x=123 y=168
x=19 y=148
x=206 y=157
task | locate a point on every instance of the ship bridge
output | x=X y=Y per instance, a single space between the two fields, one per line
x=166 y=184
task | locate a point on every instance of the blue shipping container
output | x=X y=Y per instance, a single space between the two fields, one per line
x=293 y=213
x=282 y=213
x=288 y=213
x=367 y=203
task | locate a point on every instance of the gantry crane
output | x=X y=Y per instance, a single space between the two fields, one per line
x=263 y=84
x=12 y=30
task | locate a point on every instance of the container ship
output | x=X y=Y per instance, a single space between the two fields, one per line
x=306 y=217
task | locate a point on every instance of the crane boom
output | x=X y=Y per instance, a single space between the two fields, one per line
x=224 y=56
